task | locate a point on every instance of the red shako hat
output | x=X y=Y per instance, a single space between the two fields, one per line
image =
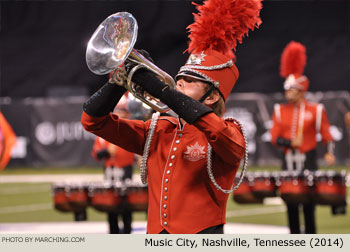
x=217 y=28
x=293 y=62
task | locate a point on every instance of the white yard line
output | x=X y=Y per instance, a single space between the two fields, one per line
x=49 y=178
x=138 y=227
x=26 y=208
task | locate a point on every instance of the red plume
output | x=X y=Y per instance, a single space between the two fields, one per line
x=221 y=23
x=293 y=59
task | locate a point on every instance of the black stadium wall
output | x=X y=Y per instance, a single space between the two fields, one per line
x=44 y=78
x=43 y=43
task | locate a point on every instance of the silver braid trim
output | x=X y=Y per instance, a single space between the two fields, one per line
x=209 y=162
x=143 y=166
x=215 y=67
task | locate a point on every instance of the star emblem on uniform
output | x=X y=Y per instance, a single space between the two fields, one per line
x=195 y=152
x=196 y=59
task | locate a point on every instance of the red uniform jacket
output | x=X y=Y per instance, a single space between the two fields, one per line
x=119 y=157
x=315 y=120
x=182 y=199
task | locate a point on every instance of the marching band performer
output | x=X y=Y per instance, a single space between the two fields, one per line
x=8 y=140
x=118 y=167
x=295 y=126
x=347 y=119
x=179 y=151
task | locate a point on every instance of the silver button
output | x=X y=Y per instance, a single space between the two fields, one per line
x=175 y=149
x=172 y=156
x=177 y=141
x=164 y=206
x=166 y=189
x=165 y=197
x=168 y=172
x=170 y=164
x=165 y=223
x=166 y=180
x=180 y=135
x=164 y=215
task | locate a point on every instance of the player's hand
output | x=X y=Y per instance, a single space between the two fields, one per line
x=296 y=142
x=329 y=158
x=103 y=154
x=130 y=64
x=119 y=77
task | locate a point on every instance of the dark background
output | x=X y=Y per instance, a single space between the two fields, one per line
x=43 y=43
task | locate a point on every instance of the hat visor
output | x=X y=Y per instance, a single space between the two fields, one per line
x=192 y=75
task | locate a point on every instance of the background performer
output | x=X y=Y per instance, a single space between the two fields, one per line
x=118 y=167
x=295 y=126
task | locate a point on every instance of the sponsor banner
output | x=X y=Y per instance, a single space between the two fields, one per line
x=49 y=131
x=57 y=136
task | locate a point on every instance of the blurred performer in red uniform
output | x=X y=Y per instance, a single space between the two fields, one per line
x=180 y=152
x=347 y=119
x=347 y=124
x=7 y=141
x=295 y=126
x=118 y=167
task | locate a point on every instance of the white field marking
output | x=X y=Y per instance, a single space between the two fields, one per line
x=138 y=227
x=256 y=211
x=26 y=208
x=273 y=201
x=57 y=178
x=25 y=190
x=48 y=178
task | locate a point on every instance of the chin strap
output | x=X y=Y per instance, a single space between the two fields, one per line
x=210 y=90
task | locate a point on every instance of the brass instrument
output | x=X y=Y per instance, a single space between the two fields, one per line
x=111 y=46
